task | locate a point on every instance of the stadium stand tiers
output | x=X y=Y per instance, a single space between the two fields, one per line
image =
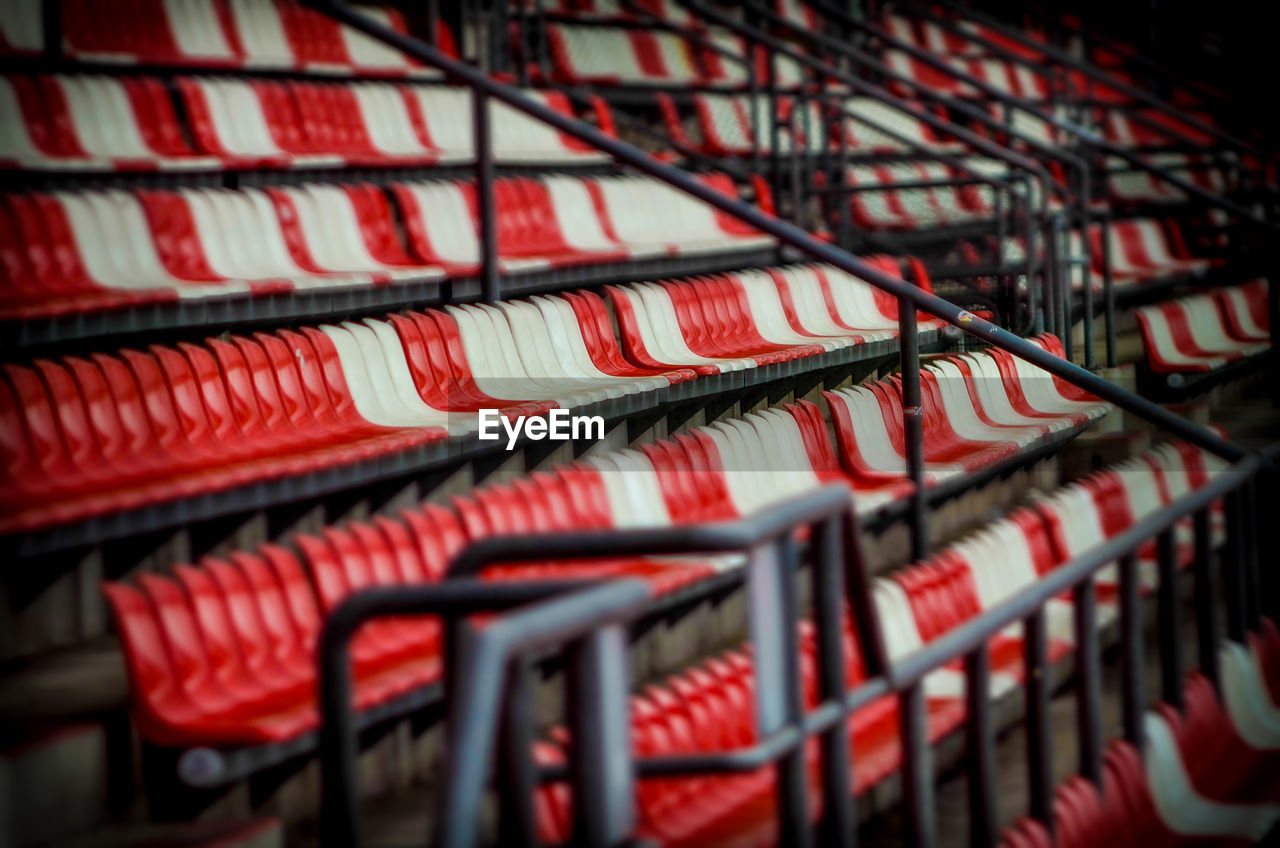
x=265 y=276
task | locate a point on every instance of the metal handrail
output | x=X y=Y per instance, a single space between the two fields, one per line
x=1079 y=165
x=1012 y=159
x=969 y=640
x=489 y=692
x=484 y=660
x=787 y=233
x=536 y=615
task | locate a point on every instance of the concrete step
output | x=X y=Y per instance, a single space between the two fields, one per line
x=86 y=680
x=54 y=784
x=258 y=833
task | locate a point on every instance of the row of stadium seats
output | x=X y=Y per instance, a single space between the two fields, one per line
x=91 y=122
x=1203 y=332
x=1002 y=75
x=726 y=127
x=188 y=694
x=1142 y=251
x=77 y=251
x=976 y=411
x=276 y=34
x=1127 y=185
x=84 y=436
x=602 y=55
x=878 y=205
x=927 y=35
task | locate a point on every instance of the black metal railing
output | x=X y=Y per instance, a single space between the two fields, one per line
x=486 y=678
x=1088 y=144
x=485 y=86
x=1077 y=198
x=488 y=701
x=486 y=667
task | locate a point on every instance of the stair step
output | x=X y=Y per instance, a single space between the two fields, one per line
x=54 y=784
x=259 y=833
x=66 y=683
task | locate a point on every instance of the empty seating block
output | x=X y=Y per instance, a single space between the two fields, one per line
x=925 y=201
x=196 y=243
x=978 y=410
x=242 y=33
x=1204 y=332
x=91 y=122
x=1127 y=184
x=730 y=72
x=1146 y=250
x=609 y=55
x=1205 y=777
x=869 y=118
x=721 y=471
x=67 y=122
x=63 y=248
x=88 y=436
x=708 y=707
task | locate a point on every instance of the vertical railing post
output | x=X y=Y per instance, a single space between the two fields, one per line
x=1039 y=738
x=517 y=820
x=602 y=774
x=1090 y=357
x=1063 y=282
x=1051 y=303
x=520 y=55
x=1249 y=541
x=544 y=40
x=997 y=208
x=1233 y=583
x=1086 y=263
x=1170 y=619
x=433 y=22
x=775 y=128
x=1108 y=286
x=500 y=37
x=917 y=767
x=340 y=801
x=1206 y=597
x=779 y=701
x=796 y=160
x=1133 y=687
x=1089 y=672
x=980 y=743
x=913 y=426
x=490 y=285
x=840 y=822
